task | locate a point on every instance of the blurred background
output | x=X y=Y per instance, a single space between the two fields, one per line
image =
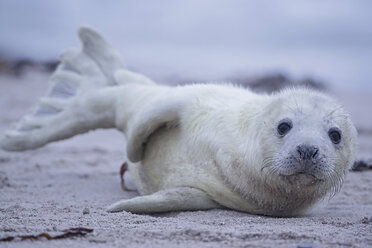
x=325 y=41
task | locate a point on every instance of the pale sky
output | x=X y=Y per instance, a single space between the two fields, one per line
x=205 y=39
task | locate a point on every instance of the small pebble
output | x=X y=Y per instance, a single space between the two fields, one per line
x=366 y=220
x=86 y=211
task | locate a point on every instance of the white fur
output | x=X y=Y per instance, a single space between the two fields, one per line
x=192 y=147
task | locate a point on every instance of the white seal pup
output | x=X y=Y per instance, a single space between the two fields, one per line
x=197 y=146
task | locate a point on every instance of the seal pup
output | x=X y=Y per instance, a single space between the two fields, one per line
x=198 y=146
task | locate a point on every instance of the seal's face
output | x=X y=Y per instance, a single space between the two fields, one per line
x=308 y=148
x=312 y=141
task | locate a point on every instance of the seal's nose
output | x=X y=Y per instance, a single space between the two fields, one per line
x=307 y=152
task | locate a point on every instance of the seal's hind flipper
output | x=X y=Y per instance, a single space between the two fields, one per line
x=78 y=98
x=101 y=52
x=176 y=199
x=56 y=120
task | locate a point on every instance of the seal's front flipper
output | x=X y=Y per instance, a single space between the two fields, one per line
x=177 y=199
x=165 y=112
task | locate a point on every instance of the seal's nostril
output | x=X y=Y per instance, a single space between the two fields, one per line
x=307 y=152
x=315 y=152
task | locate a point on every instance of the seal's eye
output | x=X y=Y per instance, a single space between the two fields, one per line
x=335 y=135
x=284 y=127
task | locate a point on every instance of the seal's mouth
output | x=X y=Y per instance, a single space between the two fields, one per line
x=304 y=178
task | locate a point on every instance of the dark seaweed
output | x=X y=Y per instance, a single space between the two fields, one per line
x=67 y=233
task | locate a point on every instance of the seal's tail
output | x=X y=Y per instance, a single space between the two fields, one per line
x=80 y=96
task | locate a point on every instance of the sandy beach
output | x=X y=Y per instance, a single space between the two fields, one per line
x=68 y=185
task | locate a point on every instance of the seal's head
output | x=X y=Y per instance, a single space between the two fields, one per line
x=306 y=146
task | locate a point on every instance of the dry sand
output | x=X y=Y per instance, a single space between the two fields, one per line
x=46 y=190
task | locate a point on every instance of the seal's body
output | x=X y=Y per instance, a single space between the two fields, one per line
x=197 y=146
